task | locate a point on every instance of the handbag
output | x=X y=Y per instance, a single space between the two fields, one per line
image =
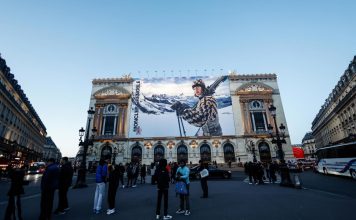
x=181 y=188
x=204 y=173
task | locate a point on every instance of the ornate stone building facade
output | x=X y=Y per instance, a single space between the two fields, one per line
x=22 y=133
x=251 y=96
x=336 y=120
x=51 y=150
x=308 y=144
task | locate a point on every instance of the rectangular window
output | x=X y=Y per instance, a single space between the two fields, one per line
x=109 y=125
x=259 y=121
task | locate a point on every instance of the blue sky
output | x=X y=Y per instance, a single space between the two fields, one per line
x=55 y=49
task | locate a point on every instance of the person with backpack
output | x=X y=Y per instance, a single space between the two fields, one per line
x=100 y=179
x=162 y=177
x=183 y=176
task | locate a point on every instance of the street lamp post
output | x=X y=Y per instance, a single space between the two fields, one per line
x=81 y=180
x=279 y=141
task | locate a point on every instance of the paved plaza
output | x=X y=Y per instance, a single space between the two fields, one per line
x=228 y=199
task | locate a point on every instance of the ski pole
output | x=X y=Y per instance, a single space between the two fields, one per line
x=180 y=131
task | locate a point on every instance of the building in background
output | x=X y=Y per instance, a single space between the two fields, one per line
x=50 y=150
x=22 y=133
x=336 y=120
x=135 y=120
x=308 y=144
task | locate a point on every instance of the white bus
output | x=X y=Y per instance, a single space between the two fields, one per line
x=338 y=160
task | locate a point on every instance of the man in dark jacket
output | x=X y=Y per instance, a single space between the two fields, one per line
x=65 y=181
x=162 y=177
x=49 y=184
x=16 y=189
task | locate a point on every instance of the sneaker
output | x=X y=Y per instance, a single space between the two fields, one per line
x=67 y=209
x=250 y=183
x=134 y=186
x=97 y=211
x=187 y=212
x=59 y=212
x=123 y=186
x=110 y=211
x=157 y=216
x=180 y=211
x=167 y=217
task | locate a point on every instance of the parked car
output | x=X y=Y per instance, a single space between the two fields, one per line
x=213 y=173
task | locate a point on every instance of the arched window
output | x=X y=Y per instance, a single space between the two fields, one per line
x=158 y=152
x=205 y=153
x=182 y=153
x=136 y=154
x=106 y=152
x=265 y=153
x=229 y=153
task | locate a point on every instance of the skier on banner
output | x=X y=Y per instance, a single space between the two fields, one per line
x=205 y=113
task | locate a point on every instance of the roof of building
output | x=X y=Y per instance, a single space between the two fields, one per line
x=344 y=81
x=10 y=77
x=308 y=136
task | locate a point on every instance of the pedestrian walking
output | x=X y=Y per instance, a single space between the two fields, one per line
x=143 y=174
x=65 y=181
x=135 y=171
x=121 y=174
x=173 y=172
x=250 y=172
x=49 y=184
x=162 y=177
x=183 y=175
x=100 y=179
x=129 y=175
x=273 y=169
x=204 y=174
x=16 y=190
x=114 y=177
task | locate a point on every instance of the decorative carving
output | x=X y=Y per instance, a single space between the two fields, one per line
x=170 y=144
x=111 y=91
x=121 y=148
x=254 y=87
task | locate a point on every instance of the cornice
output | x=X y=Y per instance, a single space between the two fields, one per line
x=253 y=77
x=124 y=79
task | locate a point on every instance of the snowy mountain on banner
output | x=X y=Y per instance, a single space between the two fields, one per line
x=160 y=104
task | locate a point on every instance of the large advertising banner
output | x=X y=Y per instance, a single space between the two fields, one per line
x=173 y=107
